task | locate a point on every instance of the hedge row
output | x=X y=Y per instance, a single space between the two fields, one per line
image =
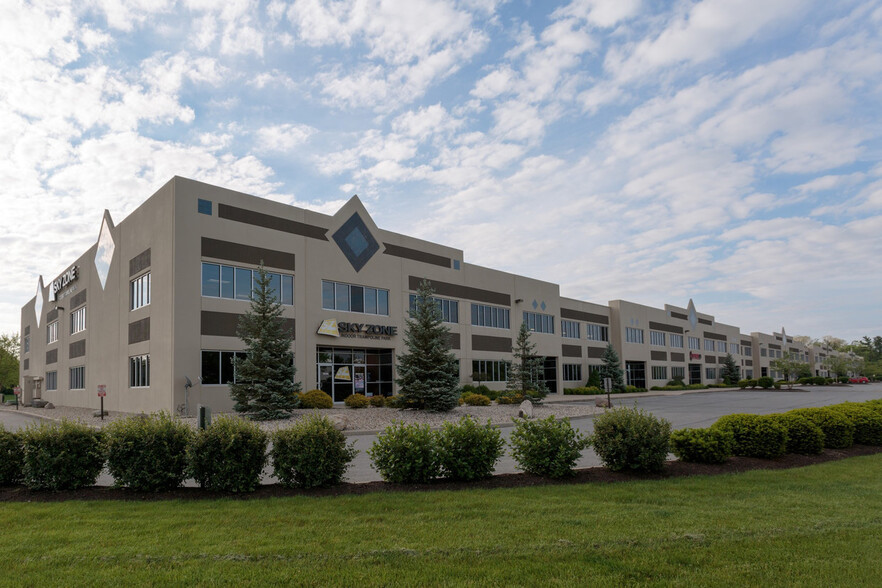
x=804 y=430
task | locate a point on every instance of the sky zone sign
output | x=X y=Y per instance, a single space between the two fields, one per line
x=360 y=330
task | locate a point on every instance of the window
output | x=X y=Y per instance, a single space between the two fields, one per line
x=140 y=291
x=139 y=371
x=694 y=343
x=597 y=332
x=678 y=372
x=490 y=316
x=572 y=372
x=659 y=372
x=493 y=371
x=217 y=367
x=746 y=350
x=676 y=341
x=749 y=374
x=569 y=329
x=52 y=332
x=456 y=264
x=203 y=206
x=721 y=346
x=78 y=378
x=51 y=380
x=539 y=323
x=762 y=351
x=449 y=308
x=593 y=368
x=708 y=344
x=78 y=320
x=338 y=296
x=237 y=283
x=711 y=373
x=27 y=343
x=657 y=338
x=733 y=348
x=633 y=335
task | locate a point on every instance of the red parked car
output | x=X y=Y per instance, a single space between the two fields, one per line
x=859 y=380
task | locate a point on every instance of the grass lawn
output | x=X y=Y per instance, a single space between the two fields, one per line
x=817 y=526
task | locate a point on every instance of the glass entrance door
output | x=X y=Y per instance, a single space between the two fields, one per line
x=326 y=379
x=635 y=373
x=695 y=373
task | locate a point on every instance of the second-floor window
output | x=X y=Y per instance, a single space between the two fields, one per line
x=352 y=298
x=139 y=289
x=569 y=329
x=633 y=335
x=78 y=320
x=52 y=332
x=449 y=308
x=539 y=323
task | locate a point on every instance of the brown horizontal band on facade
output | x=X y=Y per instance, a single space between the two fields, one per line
x=51 y=356
x=229 y=251
x=774 y=346
x=748 y=362
x=580 y=315
x=139 y=330
x=140 y=262
x=710 y=359
x=78 y=300
x=416 y=255
x=571 y=350
x=454 y=340
x=795 y=350
x=27 y=364
x=678 y=356
x=658 y=355
x=745 y=342
x=679 y=315
x=259 y=219
x=596 y=352
x=488 y=343
x=705 y=322
x=27 y=330
x=708 y=335
x=460 y=291
x=666 y=328
x=53 y=314
x=77 y=349
x=225 y=324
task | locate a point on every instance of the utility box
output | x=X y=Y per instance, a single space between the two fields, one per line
x=203 y=417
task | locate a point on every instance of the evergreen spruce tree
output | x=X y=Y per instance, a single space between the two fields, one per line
x=428 y=373
x=729 y=373
x=525 y=374
x=611 y=368
x=265 y=387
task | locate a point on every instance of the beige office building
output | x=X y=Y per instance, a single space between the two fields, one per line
x=150 y=311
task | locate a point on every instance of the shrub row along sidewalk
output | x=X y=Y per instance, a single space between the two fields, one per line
x=157 y=452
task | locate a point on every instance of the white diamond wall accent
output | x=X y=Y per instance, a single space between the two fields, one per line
x=38 y=305
x=693 y=316
x=104 y=254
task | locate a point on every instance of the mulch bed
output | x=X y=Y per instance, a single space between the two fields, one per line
x=594 y=475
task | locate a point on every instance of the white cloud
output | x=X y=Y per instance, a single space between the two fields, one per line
x=284 y=137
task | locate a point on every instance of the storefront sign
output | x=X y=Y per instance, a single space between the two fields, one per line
x=360 y=330
x=693 y=355
x=63 y=281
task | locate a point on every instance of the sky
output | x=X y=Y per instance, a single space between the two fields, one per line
x=726 y=151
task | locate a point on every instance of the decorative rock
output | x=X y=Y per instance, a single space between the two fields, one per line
x=525 y=411
x=49 y=406
x=340 y=422
x=39 y=403
x=602 y=403
x=97 y=413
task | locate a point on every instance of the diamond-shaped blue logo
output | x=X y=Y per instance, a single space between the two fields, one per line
x=542 y=306
x=356 y=242
x=535 y=304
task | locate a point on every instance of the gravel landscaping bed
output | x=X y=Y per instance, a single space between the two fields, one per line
x=363 y=419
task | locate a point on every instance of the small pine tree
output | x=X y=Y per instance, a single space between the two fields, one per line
x=730 y=374
x=265 y=388
x=612 y=368
x=594 y=379
x=525 y=374
x=428 y=374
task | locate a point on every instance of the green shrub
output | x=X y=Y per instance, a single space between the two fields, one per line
x=702 y=445
x=743 y=384
x=316 y=399
x=312 y=453
x=509 y=397
x=874 y=405
x=468 y=451
x=755 y=435
x=696 y=387
x=842 y=380
x=476 y=400
x=61 y=456
x=466 y=389
x=838 y=430
x=583 y=390
x=765 y=382
x=803 y=436
x=819 y=380
x=406 y=454
x=228 y=455
x=867 y=422
x=631 y=439
x=148 y=453
x=377 y=401
x=10 y=458
x=633 y=389
x=546 y=447
x=396 y=401
x=356 y=401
